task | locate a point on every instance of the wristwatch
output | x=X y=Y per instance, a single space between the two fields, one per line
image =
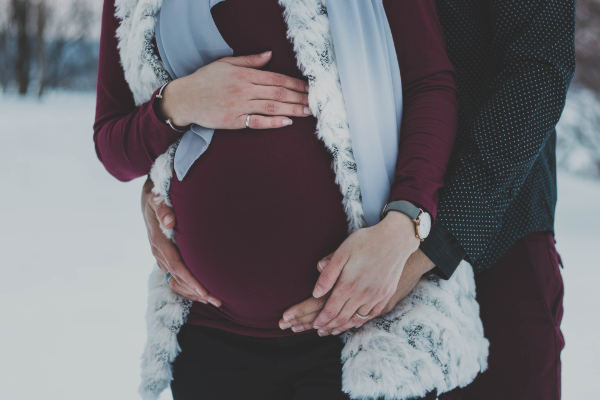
x=421 y=218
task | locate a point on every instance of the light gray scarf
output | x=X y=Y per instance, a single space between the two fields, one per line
x=187 y=39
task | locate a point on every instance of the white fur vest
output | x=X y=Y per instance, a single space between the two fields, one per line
x=432 y=340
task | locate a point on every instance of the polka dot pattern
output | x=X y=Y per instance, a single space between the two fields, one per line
x=514 y=60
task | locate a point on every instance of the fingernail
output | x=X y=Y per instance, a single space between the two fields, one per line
x=321 y=332
x=288 y=317
x=201 y=300
x=318 y=292
x=316 y=326
x=298 y=328
x=266 y=53
x=285 y=325
x=307 y=110
x=156 y=199
x=287 y=121
x=334 y=332
x=307 y=87
x=323 y=263
x=167 y=220
x=213 y=302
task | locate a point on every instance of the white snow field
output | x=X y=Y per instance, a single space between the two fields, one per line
x=75 y=261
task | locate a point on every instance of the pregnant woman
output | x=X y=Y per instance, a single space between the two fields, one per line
x=253 y=189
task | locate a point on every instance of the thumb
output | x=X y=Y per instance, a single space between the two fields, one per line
x=250 y=61
x=330 y=273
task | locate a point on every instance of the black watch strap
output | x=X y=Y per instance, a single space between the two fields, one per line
x=404 y=207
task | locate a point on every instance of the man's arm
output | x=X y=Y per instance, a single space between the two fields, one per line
x=533 y=44
x=443 y=250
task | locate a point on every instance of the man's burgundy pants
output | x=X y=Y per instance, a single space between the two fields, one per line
x=521 y=300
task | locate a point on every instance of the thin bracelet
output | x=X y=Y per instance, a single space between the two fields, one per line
x=168 y=121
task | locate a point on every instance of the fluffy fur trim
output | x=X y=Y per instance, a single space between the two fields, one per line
x=432 y=340
x=166 y=313
x=143 y=69
x=308 y=29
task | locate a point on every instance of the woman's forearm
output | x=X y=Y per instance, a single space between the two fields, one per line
x=429 y=102
x=426 y=140
x=127 y=138
x=128 y=144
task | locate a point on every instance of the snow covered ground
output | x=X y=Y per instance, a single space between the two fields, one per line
x=75 y=262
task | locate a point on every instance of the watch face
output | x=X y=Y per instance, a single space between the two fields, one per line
x=425 y=225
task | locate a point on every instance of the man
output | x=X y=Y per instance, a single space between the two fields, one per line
x=514 y=61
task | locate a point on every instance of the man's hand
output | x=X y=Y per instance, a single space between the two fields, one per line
x=301 y=317
x=418 y=264
x=157 y=215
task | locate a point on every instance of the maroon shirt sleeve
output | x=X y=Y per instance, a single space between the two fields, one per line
x=430 y=114
x=127 y=138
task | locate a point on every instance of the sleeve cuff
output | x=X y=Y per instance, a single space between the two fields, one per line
x=444 y=250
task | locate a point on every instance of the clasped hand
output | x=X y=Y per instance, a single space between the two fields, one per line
x=367 y=274
x=371 y=271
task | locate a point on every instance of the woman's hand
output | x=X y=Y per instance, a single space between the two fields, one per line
x=157 y=215
x=365 y=270
x=301 y=316
x=220 y=95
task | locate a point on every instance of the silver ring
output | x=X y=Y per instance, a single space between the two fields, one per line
x=361 y=316
x=248 y=121
x=168 y=277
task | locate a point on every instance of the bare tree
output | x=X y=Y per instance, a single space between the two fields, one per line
x=4 y=58
x=40 y=44
x=68 y=28
x=5 y=63
x=20 y=14
x=51 y=39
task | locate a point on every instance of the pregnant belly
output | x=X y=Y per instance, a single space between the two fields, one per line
x=254 y=215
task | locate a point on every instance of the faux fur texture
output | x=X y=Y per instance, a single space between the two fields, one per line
x=432 y=340
x=143 y=69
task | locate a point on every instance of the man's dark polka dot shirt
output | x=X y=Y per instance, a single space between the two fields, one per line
x=514 y=61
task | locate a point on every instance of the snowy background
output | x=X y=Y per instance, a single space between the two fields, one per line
x=76 y=257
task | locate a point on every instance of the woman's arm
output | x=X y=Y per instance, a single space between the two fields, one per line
x=368 y=266
x=218 y=95
x=430 y=107
x=127 y=138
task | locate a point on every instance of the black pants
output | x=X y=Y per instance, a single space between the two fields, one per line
x=219 y=365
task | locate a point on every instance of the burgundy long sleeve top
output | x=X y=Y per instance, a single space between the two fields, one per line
x=257 y=210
